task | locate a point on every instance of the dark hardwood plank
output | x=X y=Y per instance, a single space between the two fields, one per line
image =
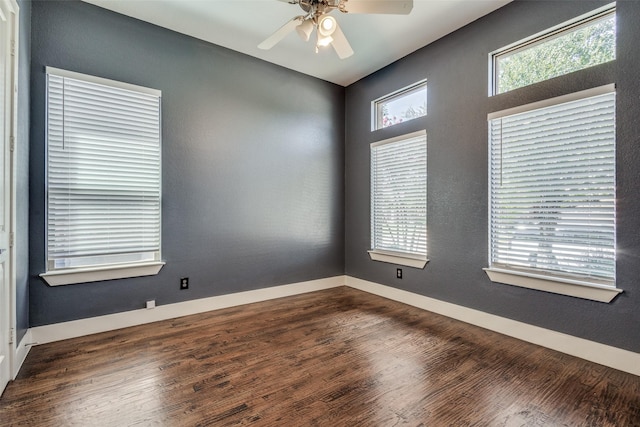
x=335 y=358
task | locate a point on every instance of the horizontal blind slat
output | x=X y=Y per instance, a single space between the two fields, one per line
x=398 y=196
x=552 y=188
x=103 y=173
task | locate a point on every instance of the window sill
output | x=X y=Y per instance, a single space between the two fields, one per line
x=399 y=258
x=574 y=288
x=95 y=274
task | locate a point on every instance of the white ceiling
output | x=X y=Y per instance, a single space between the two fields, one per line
x=241 y=25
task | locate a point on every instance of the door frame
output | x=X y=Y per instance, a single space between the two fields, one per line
x=11 y=10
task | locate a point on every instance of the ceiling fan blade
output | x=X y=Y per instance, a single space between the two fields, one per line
x=390 y=7
x=341 y=44
x=280 y=33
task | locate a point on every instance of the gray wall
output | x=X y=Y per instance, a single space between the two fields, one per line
x=22 y=172
x=253 y=163
x=254 y=191
x=457 y=72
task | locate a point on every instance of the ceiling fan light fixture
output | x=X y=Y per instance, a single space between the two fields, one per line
x=324 y=40
x=305 y=29
x=316 y=14
x=327 y=25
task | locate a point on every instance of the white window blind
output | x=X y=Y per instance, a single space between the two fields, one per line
x=103 y=172
x=552 y=187
x=399 y=195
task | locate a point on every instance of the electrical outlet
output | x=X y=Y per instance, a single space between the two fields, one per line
x=398 y=273
x=151 y=304
x=184 y=283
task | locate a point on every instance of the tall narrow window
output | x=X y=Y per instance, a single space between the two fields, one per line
x=399 y=200
x=552 y=189
x=103 y=174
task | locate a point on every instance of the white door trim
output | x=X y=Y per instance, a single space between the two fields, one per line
x=10 y=10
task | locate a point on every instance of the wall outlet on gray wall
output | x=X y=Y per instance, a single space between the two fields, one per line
x=184 y=283
x=398 y=273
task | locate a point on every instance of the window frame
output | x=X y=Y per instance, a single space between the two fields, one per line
x=376 y=113
x=548 y=34
x=55 y=276
x=565 y=284
x=416 y=260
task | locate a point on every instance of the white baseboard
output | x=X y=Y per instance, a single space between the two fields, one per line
x=22 y=351
x=613 y=357
x=77 y=328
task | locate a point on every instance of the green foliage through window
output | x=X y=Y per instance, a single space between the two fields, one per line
x=588 y=43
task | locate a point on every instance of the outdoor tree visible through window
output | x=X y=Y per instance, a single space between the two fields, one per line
x=402 y=106
x=589 y=42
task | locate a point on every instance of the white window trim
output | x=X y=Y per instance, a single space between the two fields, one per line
x=549 y=33
x=391 y=257
x=90 y=274
x=398 y=258
x=96 y=274
x=540 y=282
x=100 y=80
x=600 y=90
x=602 y=291
x=375 y=119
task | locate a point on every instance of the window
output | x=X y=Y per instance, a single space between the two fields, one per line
x=399 y=200
x=552 y=193
x=401 y=106
x=103 y=179
x=584 y=42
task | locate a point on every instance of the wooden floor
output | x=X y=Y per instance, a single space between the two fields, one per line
x=339 y=357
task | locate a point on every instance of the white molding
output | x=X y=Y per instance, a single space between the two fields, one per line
x=24 y=346
x=538 y=38
x=77 y=328
x=74 y=276
x=399 y=259
x=12 y=12
x=417 y=134
x=613 y=357
x=575 y=96
x=574 y=288
x=102 y=81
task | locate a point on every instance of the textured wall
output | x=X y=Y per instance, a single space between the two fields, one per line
x=253 y=163
x=253 y=166
x=456 y=68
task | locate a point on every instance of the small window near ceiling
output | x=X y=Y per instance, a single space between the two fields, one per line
x=401 y=106
x=580 y=43
x=399 y=200
x=103 y=178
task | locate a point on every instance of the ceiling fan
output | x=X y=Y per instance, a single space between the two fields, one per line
x=317 y=17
